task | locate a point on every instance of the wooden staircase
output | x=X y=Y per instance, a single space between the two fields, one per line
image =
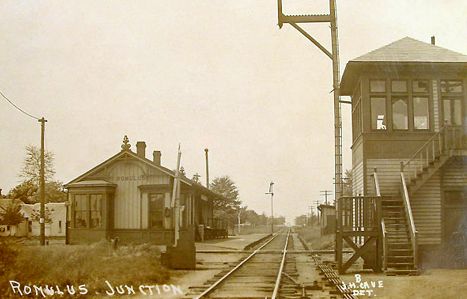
x=431 y=156
x=399 y=258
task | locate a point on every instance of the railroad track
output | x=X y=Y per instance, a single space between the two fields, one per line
x=270 y=271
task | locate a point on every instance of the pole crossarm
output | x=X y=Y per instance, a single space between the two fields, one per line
x=306 y=19
x=314 y=41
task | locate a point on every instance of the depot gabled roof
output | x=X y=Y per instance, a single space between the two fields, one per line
x=83 y=181
x=406 y=51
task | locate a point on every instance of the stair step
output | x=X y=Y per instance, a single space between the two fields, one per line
x=397 y=232
x=400 y=264
x=402 y=272
x=399 y=251
x=401 y=257
x=395 y=219
x=399 y=244
x=392 y=206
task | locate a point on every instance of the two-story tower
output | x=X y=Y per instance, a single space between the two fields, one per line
x=409 y=117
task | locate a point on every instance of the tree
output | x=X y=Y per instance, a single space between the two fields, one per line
x=25 y=191
x=301 y=220
x=11 y=214
x=32 y=165
x=227 y=206
x=226 y=187
x=347 y=183
x=36 y=215
x=28 y=190
x=279 y=220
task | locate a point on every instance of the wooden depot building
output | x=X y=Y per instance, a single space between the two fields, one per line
x=128 y=196
x=409 y=157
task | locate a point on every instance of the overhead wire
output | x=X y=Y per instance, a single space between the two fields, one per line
x=14 y=105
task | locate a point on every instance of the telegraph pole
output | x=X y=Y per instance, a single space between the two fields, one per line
x=207 y=167
x=311 y=215
x=42 y=183
x=271 y=192
x=325 y=193
x=334 y=56
x=317 y=209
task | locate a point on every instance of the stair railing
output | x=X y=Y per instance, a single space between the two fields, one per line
x=427 y=153
x=448 y=138
x=408 y=212
x=385 y=244
x=382 y=225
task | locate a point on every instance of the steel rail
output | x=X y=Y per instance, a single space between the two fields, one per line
x=220 y=280
x=281 y=268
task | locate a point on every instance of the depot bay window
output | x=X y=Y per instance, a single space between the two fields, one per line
x=81 y=210
x=87 y=210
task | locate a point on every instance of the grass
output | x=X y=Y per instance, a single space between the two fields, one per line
x=80 y=264
x=259 y=229
x=312 y=235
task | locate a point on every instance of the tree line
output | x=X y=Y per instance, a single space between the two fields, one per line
x=230 y=206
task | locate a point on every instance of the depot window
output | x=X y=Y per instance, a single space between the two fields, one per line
x=156 y=210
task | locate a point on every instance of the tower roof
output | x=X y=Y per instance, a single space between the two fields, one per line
x=406 y=52
x=408 y=49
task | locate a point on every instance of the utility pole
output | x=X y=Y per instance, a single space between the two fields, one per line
x=175 y=201
x=325 y=193
x=271 y=192
x=317 y=209
x=311 y=215
x=334 y=56
x=239 y=213
x=42 y=184
x=207 y=167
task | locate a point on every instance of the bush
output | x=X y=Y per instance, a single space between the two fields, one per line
x=91 y=265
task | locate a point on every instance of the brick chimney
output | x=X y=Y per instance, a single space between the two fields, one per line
x=156 y=157
x=141 y=149
x=433 y=40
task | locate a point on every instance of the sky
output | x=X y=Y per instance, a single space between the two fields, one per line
x=215 y=74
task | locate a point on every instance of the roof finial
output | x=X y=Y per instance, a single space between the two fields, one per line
x=125 y=146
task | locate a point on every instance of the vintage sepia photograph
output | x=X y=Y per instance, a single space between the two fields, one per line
x=279 y=149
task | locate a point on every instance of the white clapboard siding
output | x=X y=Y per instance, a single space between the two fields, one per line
x=357 y=179
x=130 y=206
x=426 y=210
x=389 y=175
x=455 y=174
